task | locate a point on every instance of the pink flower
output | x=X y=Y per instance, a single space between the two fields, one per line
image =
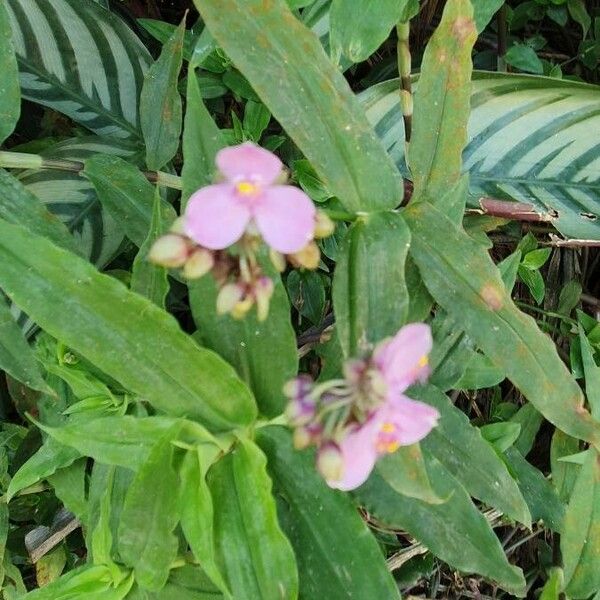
x=398 y=421
x=217 y=215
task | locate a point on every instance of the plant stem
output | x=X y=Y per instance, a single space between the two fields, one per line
x=404 y=69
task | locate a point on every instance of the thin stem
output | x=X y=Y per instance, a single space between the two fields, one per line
x=404 y=69
x=502 y=25
x=20 y=160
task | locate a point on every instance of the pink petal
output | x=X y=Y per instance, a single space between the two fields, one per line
x=215 y=218
x=359 y=456
x=249 y=162
x=402 y=360
x=285 y=217
x=413 y=419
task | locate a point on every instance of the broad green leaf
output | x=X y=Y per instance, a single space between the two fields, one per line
x=479 y=373
x=338 y=558
x=357 y=31
x=580 y=539
x=591 y=372
x=287 y=67
x=16 y=357
x=369 y=288
x=126 y=194
x=18 y=205
x=98 y=317
x=530 y=420
x=455 y=531
x=405 y=471
x=10 y=96
x=483 y=11
x=255 y=556
x=147 y=541
x=521 y=144
x=538 y=492
x=100 y=538
x=462 y=278
x=197 y=515
x=148 y=279
x=459 y=446
x=554 y=586
x=501 y=435
x=123 y=441
x=70 y=487
x=50 y=457
x=81 y=60
x=442 y=105
x=579 y=13
x=263 y=353
x=202 y=139
x=524 y=58
x=160 y=103
x=564 y=474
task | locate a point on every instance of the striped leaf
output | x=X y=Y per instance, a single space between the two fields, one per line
x=81 y=60
x=528 y=140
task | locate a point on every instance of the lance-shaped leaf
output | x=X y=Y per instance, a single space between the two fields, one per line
x=455 y=531
x=126 y=194
x=16 y=357
x=369 y=289
x=462 y=278
x=442 y=104
x=82 y=60
x=528 y=140
x=337 y=556
x=122 y=333
x=288 y=68
x=10 y=98
x=580 y=539
x=357 y=31
x=254 y=554
x=160 y=103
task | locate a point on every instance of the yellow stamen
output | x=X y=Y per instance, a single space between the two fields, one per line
x=246 y=188
x=388 y=428
x=423 y=361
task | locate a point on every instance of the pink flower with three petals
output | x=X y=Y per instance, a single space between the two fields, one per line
x=218 y=215
x=399 y=421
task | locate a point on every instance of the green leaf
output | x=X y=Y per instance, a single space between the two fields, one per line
x=50 y=457
x=530 y=420
x=580 y=15
x=554 y=586
x=307 y=293
x=592 y=374
x=462 y=278
x=101 y=539
x=197 y=515
x=98 y=317
x=537 y=490
x=148 y=279
x=264 y=353
x=70 y=487
x=536 y=259
x=524 y=58
x=202 y=139
x=81 y=60
x=16 y=357
x=310 y=98
x=439 y=526
x=483 y=12
x=520 y=144
x=534 y=282
x=160 y=103
x=580 y=539
x=405 y=471
x=338 y=558
x=359 y=31
x=442 y=105
x=501 y=435
x=369 y=289
x=254 y=554
x=150 y=514
x=10 y=98
x=564 y=474
x=479 y=373
x=126 y=194
x=462 y=450
x=18 y=205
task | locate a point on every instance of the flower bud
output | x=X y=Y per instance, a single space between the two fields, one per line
x=241 y=309
x=263 y=290
x=229 y=295
x=298 y=387
x=302 y=438
x=178 y=226
x=330 y=462
x=198 y=264
x=324 y=226
x=277 y=260
x=170 y=250
x=308 y=258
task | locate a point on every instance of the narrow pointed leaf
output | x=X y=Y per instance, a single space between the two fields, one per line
x=462 y=278
x=93 y=313
x=288 y=68
x=10 y=97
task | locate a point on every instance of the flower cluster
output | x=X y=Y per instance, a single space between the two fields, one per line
x=354 y=420
x=225 y=224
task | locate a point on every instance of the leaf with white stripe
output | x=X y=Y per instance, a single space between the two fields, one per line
x=529 y=139
x=81 y=60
